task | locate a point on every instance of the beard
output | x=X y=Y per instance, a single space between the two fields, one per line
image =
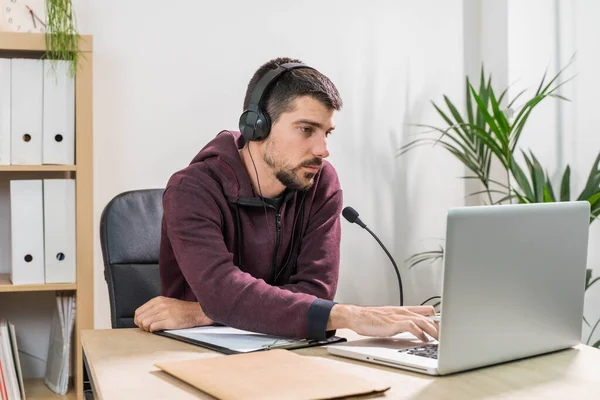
x=294 y=178
x=291 y=180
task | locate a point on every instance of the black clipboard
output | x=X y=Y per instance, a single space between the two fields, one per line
x=225 y=350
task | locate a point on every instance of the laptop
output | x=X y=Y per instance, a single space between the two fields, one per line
x=513 y=287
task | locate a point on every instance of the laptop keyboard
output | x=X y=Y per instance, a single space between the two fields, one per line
x=429 y=351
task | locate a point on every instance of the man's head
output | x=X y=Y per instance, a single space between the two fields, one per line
x=301 y=104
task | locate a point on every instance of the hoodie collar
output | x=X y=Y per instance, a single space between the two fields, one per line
x=222 y=155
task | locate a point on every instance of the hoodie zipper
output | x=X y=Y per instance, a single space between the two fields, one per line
x=276 y=248
x=255 y=203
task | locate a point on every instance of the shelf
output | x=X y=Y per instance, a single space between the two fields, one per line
x=7 y=286
x=37 y=168
x=33 y=46
x=35 y=42
x=36 y=389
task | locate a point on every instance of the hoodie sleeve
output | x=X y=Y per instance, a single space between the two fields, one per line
x=227 y=294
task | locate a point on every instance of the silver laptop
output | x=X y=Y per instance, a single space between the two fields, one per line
x=513 y=287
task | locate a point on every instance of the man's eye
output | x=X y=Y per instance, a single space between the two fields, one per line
x=306 y=129
x=328 y=134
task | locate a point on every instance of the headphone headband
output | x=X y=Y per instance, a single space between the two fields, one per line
x=268 y=79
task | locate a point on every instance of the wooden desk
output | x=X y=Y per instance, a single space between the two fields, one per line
x=121 y=367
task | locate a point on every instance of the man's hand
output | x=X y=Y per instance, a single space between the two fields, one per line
x=384 y=321
x=167 y=313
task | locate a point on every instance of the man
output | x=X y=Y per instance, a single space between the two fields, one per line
x=251 y=228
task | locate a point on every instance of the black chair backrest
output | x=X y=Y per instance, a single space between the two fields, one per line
x=130 y=228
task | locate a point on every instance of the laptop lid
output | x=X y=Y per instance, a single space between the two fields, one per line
x=513 y=283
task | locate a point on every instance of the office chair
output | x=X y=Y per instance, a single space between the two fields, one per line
x=130 y=238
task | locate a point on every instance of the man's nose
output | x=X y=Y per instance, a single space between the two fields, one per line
x=320 y=148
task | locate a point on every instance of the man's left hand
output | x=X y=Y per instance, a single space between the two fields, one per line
x=167 y=313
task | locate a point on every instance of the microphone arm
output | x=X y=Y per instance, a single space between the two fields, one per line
x=351 y=216
x=393 y=263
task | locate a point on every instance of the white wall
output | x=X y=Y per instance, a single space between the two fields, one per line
x=168 y=76
x=531 y=53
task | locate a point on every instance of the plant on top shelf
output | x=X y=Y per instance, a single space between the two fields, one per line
x=61 y=33
x=487 y=131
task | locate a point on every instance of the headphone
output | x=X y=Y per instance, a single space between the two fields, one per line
x=255 y=123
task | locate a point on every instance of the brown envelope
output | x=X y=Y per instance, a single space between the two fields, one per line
x=274 y=374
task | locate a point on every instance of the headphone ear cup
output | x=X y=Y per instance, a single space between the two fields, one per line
x=263 y=126
x=246 y=129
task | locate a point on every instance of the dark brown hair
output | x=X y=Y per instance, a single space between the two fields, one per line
x=280 y=97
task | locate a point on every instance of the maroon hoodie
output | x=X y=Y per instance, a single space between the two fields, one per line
x=273 y=272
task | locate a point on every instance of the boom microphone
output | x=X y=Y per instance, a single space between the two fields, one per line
x=351 y=216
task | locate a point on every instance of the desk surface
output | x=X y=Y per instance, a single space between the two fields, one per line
x=121 y=366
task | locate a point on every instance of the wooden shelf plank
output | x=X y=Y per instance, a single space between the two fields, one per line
x=37 y=168
x=36 y=389
x=35 y=42
x=7 y=286
x=85 y=229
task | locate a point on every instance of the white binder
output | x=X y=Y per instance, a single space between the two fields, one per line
x=5 y=111
x=58 y=134
x=26 y=111
x=59 y=230
x=27 y=232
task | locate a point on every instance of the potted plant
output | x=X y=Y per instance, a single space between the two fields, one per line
x=487 y=131
x=61 y=33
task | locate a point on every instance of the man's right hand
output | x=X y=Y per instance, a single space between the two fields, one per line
x=166 y=313
x=384 y=321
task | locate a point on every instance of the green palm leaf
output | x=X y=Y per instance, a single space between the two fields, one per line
x=565 y=185
x=593 y=181
x=521 y=179
x=489 y=141
x=548 y=191
x=516 y=97
x=539 y=178
x=480 y=120
x=489 y=120
x=469 y=103
x=457 y=128
x=503 y=126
